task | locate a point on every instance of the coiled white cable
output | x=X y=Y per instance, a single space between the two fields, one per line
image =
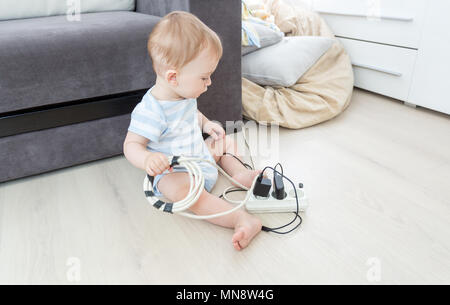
x=197 y=183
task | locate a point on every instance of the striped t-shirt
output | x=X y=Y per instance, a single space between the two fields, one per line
x=172 y=128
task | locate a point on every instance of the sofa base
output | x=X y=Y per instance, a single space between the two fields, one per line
x=46 y=150
x=50 y=116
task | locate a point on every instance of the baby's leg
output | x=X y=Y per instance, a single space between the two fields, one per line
x=175 y=186
x=229 y=164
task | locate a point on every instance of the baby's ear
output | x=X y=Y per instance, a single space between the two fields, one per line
x=171 y=77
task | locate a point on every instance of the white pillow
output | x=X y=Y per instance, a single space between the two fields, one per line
x=283 y=63
x=18 y=9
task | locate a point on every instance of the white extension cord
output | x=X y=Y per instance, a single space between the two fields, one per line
x=197 y=183
x=295 y=201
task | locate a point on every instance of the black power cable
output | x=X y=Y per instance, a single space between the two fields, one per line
x=244 y=164
x=264 y=228
x=232 y=190
x=273 y=230
x=282 y=172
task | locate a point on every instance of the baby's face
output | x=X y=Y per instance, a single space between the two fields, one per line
x=194 y=78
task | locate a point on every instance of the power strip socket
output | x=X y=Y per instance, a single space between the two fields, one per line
x=273 y=205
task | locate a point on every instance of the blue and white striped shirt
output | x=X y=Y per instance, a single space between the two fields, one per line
x=172 y=128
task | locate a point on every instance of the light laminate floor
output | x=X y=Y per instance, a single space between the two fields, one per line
x=378 y=179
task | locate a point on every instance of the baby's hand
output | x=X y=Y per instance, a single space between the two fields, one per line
x=214 y=130
x=156 y=163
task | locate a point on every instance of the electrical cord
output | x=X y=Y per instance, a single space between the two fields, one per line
x=273 y=230
x=248 y=147
x=281 y=166
x=264 y=228
x=244 y=164
x=268 y=229
x=197 y=183
x=233 y=190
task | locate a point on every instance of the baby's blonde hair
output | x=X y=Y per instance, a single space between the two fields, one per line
x=178 y=38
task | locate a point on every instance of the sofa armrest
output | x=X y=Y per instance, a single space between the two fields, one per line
x=161 y=7
x=223 y=100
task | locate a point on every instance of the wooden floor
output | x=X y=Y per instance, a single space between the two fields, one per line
x=378 y=179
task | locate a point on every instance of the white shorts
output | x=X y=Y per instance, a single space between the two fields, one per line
x=209 y=172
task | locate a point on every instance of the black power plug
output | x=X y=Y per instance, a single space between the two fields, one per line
x=262 y=186
x=278 y=186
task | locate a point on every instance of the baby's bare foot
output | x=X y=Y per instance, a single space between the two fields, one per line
x=246 y=177
x=245 y=230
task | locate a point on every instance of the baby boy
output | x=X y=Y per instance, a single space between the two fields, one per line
x=185 y=52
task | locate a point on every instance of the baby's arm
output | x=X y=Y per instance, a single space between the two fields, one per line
x=134 y=149
x=211 y=128
x=201 y=120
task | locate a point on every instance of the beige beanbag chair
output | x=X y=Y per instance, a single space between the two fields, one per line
x=320 y=94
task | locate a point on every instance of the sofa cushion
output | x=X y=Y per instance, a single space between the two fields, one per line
x=18 y=9
x=50 y=60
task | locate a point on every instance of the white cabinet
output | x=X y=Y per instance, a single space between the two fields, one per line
x=380 y=68
x=399 y=48
x=394 y=22
x=430 y=85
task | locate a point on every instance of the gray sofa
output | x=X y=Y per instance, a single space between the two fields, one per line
x=68 y=88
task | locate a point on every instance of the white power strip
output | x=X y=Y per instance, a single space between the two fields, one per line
x=273 y=205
